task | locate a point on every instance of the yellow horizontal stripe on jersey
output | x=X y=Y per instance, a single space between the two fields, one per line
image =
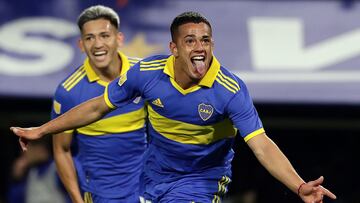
x=227 y=82
x=75 y=74
x=187 y=133
x=253 y=134
x=154 y=61
x=152 y=65
x=74 y=77
x=156 y=68
x=127 y=122
x=226 y=86
x=68 y=88
x=230 y=79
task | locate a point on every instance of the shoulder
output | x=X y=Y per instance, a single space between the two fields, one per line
x=68 y=84
x=133 y=60
x=153 y=63
x=146 y=72
x=156 y=58
x=150 y=66
x=228 y=81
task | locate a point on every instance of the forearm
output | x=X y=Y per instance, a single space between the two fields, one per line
x=66 y=170
x=271 y=157
x=81 y=115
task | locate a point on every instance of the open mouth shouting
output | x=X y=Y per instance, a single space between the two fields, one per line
x=198 y=63
x=100 y=55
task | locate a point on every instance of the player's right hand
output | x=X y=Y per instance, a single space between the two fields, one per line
x=313 y=192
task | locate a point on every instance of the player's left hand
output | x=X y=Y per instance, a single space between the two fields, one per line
x=313 y=192
x=25 y=134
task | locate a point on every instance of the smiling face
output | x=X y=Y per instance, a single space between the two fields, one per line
x=192 y=48
x=100 y=40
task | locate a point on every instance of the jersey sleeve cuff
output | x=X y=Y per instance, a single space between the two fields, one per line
x=253 y=134
x=69 y=131
x=106 y=97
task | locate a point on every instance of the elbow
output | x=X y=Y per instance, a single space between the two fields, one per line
x=260 y=155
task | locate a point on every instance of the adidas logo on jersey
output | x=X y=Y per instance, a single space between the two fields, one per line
x=157 y=102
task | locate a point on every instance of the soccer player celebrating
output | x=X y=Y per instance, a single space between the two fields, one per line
x=107 y=159
x=196 y=108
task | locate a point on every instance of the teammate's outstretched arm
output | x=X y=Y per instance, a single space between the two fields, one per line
x=83 y=114
x=271 y=157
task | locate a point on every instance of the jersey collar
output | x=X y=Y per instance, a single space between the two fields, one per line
x=207 y=80
x=91 y=74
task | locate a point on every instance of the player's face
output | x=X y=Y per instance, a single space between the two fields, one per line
x=100 y=40
x=193 y=49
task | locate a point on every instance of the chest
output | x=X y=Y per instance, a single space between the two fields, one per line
x=202 y=106
x=87 y=91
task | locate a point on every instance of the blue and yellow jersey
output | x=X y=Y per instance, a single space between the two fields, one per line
x=110 y=151
x=191 y=130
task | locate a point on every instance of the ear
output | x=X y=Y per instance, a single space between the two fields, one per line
x=120 y=39
x=81 y=45
x=212 y=46
x=173 y=49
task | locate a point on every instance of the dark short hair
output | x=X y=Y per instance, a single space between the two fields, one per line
x=98 y=12
x=186 y=17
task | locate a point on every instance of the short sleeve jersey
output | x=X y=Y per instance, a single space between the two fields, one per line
x=192 y=130
x=110 y=151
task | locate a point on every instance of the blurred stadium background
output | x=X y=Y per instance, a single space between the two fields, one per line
x=299 y=58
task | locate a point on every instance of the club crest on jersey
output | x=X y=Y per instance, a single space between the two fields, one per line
x=122 y=79
x=205 y=111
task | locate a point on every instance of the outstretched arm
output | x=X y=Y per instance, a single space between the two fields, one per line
x=81 y=115
x=65 y=165
x=271 y=157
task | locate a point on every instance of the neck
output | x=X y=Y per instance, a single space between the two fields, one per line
x=110 y=73
x=181 y=78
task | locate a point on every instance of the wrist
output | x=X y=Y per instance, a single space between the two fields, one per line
x=299 y=188
x=41 y=131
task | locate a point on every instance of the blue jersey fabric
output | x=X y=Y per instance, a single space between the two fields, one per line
x=191 y=131
x=109 y=153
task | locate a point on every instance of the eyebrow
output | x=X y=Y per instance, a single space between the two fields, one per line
x=92 y=34
x=189 y=36
x=204 y=36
